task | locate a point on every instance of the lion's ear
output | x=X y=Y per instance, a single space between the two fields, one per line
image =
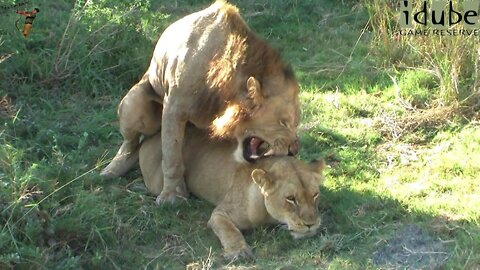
x=317 y=167
x=261 y=178
x=254 y=90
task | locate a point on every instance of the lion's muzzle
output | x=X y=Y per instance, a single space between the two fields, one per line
x=294 y=148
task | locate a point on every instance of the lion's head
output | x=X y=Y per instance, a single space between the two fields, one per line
x=263 y=109
x=291 y=193
x=264 y=120
x=269 y=125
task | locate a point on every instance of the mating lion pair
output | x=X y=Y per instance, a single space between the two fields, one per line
x=209 y=69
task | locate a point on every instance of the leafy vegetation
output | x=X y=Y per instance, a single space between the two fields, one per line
x=396 y=121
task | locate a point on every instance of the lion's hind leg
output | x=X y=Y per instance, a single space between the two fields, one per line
x=139 y=113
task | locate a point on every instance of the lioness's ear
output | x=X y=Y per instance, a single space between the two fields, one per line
x=317 y=167
x=254 y=90
x=260 y=178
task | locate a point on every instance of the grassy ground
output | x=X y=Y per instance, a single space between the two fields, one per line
x=401 y=189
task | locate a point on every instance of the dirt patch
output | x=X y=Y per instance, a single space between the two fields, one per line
x=411 y=248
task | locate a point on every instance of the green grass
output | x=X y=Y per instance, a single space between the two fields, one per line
x=58 y=128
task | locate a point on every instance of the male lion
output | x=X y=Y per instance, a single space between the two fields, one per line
x=279 y=189
x=211 y=70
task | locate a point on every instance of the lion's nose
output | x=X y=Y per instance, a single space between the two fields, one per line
x=294 y=148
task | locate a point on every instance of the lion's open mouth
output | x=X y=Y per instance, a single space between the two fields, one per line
x=254 y=147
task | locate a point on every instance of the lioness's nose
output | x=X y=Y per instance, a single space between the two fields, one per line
x=309 y=225
x=294 y=148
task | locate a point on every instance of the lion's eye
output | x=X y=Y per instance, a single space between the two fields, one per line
x=315 y=196
x=291 y=199
x=284 y=123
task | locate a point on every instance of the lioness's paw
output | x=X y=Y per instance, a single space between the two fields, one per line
x=242 y=254
x=170 y=197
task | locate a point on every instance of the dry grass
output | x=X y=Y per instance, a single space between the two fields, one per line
x=7 y=108
x=393 y=126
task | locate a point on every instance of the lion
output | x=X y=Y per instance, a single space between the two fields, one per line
x=276 y=189
x=211 y=70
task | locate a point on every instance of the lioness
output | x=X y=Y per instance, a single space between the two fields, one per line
x=211 y=70
x=279 y=189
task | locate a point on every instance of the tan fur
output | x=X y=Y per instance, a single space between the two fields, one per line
x=245 y=195
x=198 y=74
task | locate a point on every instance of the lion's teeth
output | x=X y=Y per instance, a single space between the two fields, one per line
x=269 y=152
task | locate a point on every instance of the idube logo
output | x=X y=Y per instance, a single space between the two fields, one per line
x=439 y=18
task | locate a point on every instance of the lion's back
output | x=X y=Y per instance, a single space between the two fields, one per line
x=185 y=49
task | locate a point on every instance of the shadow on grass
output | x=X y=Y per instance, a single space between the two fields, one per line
x=372 y=229
x=321 y=142
x=362 y=230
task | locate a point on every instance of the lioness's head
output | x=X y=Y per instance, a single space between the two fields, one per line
x=291 y=192
x=265 y=123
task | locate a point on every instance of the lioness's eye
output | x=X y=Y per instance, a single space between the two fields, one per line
x=291 y=199
x=315 y=196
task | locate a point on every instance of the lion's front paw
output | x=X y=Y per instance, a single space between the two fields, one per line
x=241 y=254
x=172 y=194
x=171 y=197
